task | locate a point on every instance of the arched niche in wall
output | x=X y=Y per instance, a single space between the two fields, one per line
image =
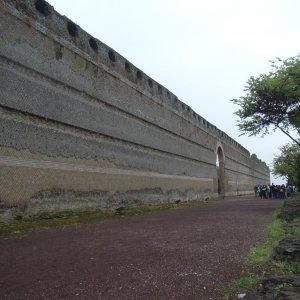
x=220 y=167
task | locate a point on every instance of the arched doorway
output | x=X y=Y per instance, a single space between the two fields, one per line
x=220 y=166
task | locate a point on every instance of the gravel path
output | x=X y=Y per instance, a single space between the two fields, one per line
x=188 y=253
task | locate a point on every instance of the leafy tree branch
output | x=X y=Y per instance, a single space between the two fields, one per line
x=287 y=164
x=272 y=100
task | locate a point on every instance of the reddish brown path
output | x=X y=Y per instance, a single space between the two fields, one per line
x=188 y=253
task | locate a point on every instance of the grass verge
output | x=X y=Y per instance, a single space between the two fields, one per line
x=261 y=254
x=260 y=257
x=241 y=285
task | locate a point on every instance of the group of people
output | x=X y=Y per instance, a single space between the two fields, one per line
x=273 y=191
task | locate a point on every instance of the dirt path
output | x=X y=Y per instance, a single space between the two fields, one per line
x=188 y=253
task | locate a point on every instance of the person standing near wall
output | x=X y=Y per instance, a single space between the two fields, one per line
x=282 y=192
x=272 y=188
x=264 y=192
x=256 y=190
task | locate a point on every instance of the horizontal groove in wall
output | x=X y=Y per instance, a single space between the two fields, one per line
x=43 y=164
x=54 y=84
x=245 y=174
x=73 y=130
x=246 y=166
x=45 y=31
x=87 y=57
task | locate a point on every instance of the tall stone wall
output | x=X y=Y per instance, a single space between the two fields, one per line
x=83 y=129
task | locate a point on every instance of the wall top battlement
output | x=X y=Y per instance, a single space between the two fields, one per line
x=42 y=16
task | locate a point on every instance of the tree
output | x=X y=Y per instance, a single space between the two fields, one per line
x=287 y=164
x=272 y=100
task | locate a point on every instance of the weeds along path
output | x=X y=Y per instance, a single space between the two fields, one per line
x=188 y=253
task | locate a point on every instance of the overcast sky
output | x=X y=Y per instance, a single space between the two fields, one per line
x=202 y=51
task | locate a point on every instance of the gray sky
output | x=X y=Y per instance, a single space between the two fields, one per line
x=202 y=51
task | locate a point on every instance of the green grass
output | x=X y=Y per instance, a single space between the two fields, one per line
x=261 y=254
x=296 y=231
x=293 y=227
x=242 y=285
x=283 y=268
x=260 y=257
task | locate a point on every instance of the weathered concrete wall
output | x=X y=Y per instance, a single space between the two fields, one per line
x=83 y=128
